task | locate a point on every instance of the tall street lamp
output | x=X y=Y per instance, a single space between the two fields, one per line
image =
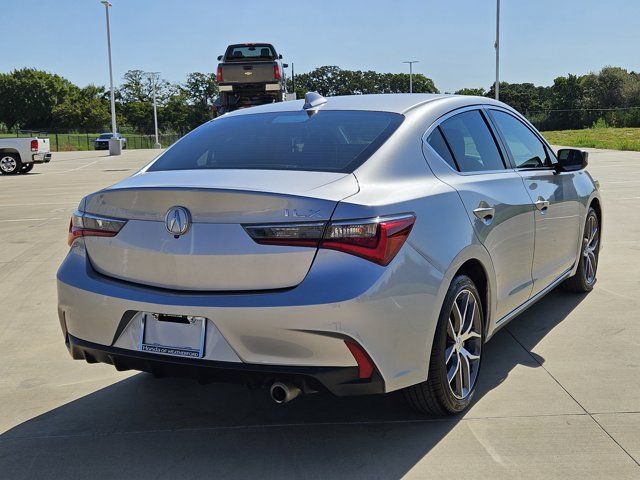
x=497 y=47
x=153 y=76
x=411 y=62
x=115 y=146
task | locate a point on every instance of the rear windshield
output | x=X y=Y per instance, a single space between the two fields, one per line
x=327 y=141
x=257 y=51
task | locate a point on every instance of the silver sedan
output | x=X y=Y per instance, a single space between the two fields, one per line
x=357 y=244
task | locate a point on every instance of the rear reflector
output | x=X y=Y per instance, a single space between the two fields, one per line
x=376 y=239
x=365 y=365
x=87 y=225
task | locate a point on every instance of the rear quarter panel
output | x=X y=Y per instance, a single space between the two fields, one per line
x=395 y=180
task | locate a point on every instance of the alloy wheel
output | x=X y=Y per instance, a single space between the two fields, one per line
x=591 y=240
x=8 y=164
x=463 y=344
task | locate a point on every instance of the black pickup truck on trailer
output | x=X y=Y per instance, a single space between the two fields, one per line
x=250 y=74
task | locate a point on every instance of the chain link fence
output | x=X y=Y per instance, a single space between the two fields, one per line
x=67 y=142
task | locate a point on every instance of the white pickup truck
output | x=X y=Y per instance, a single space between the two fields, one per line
x=19 y=155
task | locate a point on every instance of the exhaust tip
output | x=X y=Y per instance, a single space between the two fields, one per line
x=283 y=392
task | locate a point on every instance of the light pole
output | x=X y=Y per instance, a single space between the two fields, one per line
x=153 y=76
x=114 y=143
x=411 y=62
x=497 y=47
x=293 y=78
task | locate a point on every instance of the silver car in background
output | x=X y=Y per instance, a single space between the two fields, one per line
x=357 y=244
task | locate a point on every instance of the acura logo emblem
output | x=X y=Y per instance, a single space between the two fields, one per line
x=177 y=221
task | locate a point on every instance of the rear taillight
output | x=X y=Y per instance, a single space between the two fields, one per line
x=34 y=145
x=219 y=73
x=276 y=72
x=87 y=225
x=376 y=239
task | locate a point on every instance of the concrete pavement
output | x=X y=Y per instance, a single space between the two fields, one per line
x=559 y=394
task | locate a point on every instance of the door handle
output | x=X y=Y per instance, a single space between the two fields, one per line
x=485 y=213
x=542 y=205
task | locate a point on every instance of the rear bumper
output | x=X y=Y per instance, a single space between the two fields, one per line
x=241 y=87
x=337 y=380
x=41 y=157
x=390 y=311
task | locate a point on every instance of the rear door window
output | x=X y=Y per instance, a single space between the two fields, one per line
x=471 y=142
x=327 y=141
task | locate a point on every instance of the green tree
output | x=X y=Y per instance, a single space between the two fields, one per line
x=524 y=97
x=177 y=115
x=602 y=91
x=399 y=83
x=609 y=87
x=135 y=98
x=331 y=80
x=565 y=102
x=137 y=115
x=137 y=86
x=85 y=109
x=28 y=97
x=478 y=92
x=200 y=90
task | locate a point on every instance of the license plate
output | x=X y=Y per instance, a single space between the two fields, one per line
x=177 y=335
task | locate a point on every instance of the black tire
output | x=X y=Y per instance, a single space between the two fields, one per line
x=26 y=168
x=585 y=277
x=435 y=396
x=10 y=163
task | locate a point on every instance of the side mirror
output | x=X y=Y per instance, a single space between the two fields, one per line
x=219 y=57
x=285 y=65
x=280 y=56
x=571 y=160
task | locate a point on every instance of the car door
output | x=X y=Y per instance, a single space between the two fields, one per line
x=553 y=194
x=495 y=199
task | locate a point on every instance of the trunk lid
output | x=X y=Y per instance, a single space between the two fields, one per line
x=216 y=253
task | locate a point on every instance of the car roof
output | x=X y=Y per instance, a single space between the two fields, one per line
x=387 y=102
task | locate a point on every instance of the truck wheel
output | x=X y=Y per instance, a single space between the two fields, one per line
x=26 y=168
x=10 y=163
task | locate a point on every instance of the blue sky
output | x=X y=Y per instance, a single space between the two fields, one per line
x=541 y=39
